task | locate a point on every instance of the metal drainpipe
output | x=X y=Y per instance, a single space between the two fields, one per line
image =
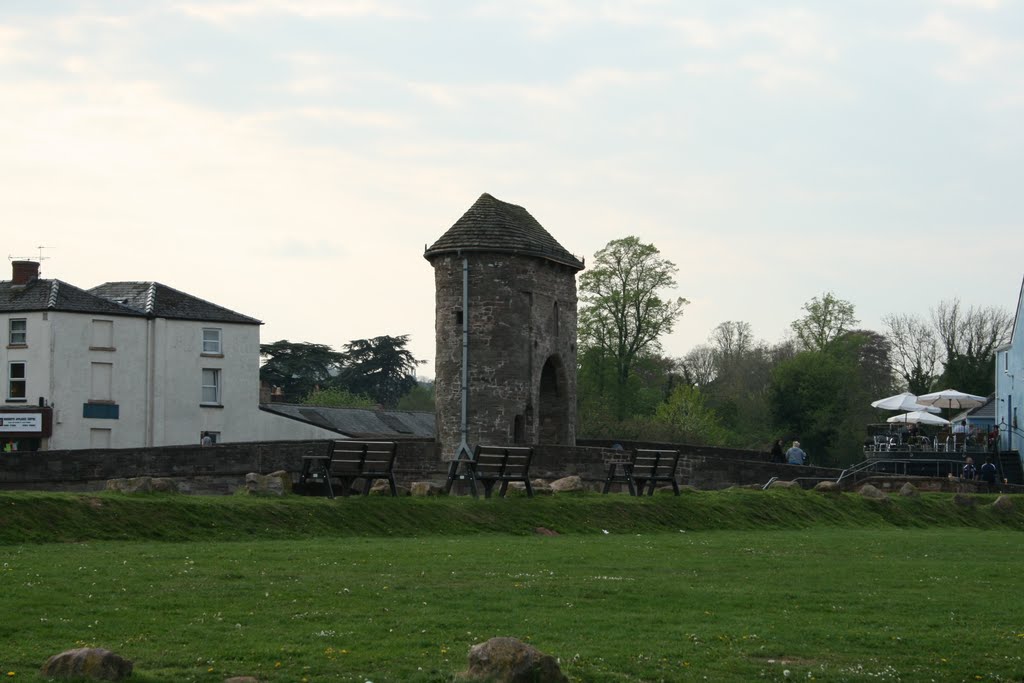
x=463 y=417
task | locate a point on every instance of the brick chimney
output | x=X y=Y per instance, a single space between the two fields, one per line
x=23 y=272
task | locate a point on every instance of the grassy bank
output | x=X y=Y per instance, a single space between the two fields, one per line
x=41 y=518
x=725 y=586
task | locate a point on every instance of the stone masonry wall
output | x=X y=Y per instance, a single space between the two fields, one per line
x=220 y=469
x=512 y=332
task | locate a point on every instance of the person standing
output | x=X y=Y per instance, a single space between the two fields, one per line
x=777 y=455
x=989 y=475
x=206 y=440
x=795 y=455
x=970 y=472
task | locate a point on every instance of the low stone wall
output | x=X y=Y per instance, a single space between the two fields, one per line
x=220 y=469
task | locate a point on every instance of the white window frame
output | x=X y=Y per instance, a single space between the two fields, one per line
x=12 y=333
x=214 y=345
x=23 y=380
x=100 y=434
x=101 y=385
x=102 y=335
x=211 y=391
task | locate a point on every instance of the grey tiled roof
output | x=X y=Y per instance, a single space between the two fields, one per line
x=492 y=225
x=986 y=411
x=56 y=295
x=160 y=301
x=359 y=422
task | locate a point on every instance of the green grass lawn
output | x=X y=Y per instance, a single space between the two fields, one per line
x=874 y=600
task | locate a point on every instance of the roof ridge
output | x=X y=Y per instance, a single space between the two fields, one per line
x=151 y=298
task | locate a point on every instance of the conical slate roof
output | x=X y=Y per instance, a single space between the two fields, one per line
x=492 y=225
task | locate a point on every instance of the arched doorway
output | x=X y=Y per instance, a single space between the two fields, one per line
x=553 y=403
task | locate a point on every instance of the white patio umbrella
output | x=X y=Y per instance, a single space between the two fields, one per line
x=904 y=401
x=951 y=399
x=918 y=417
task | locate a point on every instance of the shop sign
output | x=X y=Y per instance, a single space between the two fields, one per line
x=21 y=422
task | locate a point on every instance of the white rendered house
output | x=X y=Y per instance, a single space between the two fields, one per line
x=127 y=365
x=1009 y=406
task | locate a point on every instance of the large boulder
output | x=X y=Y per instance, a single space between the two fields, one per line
x=873 y=493
x=965 y=500
x=381 y=487
x=908 y=490
x=90 y=663
x=277 y=483
x=541 y=487
x=1004 y=504
x=515 y=488
x=425 y=488
x=570 y=484
x=142 y=485
x=783 y=484
x=508 y=660
x=828 y=487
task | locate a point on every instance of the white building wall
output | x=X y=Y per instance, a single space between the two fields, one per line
x=72 y=394
x=180 y=414
x=155 y=382
x=1010 y=385
x=36 y=354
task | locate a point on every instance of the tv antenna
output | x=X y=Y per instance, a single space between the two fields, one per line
x=39 y=258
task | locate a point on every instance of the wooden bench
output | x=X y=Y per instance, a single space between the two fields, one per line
x=646 y=467
x=348 y=461
x=492 y=464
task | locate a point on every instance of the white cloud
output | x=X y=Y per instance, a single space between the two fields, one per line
x=975 y=4
x=227 y=12
x=12 y=48
x=971 y=49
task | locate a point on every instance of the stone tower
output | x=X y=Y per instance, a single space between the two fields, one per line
x=521 y=320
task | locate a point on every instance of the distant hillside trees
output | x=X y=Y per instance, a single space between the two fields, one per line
x=962 y=341
x=373 y=371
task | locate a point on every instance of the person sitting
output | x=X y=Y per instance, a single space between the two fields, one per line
x=795 y=455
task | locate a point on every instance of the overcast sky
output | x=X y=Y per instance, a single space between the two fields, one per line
x=290 y=159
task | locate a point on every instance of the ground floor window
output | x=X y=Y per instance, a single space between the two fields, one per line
x=99 y=438
x=16 y=381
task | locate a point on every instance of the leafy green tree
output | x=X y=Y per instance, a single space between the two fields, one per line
x=622 y=310
x=337 y=398
x=687 y=419
x=381 y=368
x=873 y=354
x=808 y=397
x=420 y=397
x=822 y=397
x=299 y=367
x=827 y=317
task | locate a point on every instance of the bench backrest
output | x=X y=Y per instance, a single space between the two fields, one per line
x=503 y=462
x=654 y=464
x=354 y=457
